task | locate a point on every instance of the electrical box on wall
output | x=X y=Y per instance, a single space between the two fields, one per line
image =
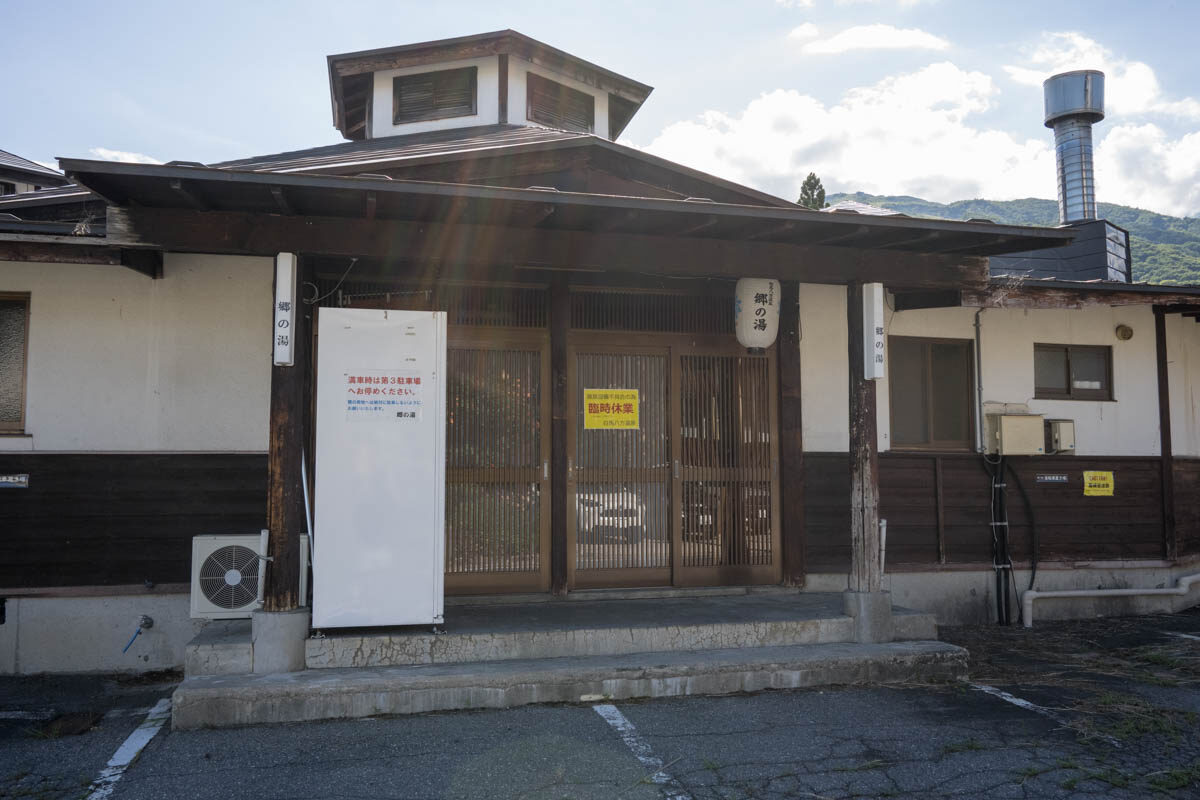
x=1016 y=434
x=1060 y=436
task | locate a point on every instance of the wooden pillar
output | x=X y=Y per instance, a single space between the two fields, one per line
x=791 y=438
x=560 y=323
x=291 y=392
x=865 y=568
x=1167 y=459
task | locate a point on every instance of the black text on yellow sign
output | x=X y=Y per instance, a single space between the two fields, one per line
x=1098 y=484
x=610 y=409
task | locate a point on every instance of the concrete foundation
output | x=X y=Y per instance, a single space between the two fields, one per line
x=86 y=634
x=872 y=615
x=223 y=647
x=967 y=596
x=278 y=640
x=223 y=701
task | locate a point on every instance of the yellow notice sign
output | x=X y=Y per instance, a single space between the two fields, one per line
x=610 y=409
x=1098 y=484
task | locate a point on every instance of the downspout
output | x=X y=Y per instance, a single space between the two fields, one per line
x=1185 y=583
x=978 y=383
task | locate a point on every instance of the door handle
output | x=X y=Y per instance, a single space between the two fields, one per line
x=677 y=469
x=546 y=469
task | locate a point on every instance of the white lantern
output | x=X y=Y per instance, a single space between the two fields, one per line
x=756 y=312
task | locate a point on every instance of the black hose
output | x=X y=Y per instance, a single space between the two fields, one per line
x=1034 y=542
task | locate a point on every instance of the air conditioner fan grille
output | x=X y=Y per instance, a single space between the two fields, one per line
x=229 y=577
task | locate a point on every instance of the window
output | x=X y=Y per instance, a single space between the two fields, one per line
x=14 y=327
x=929 y=383
x=558 y=106
x=433 y=95
x=1072 y=372
x=7 y=188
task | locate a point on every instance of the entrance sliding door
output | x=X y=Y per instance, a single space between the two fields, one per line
x=619 y=466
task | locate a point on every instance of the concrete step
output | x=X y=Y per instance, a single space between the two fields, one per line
x=229 y=700
x=222 y=647
x=608 y=628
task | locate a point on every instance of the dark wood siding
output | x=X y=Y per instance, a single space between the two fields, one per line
x=1187 y=505
x=1070 y=526
x=111 y=519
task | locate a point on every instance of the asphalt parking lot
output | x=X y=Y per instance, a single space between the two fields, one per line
x=1100 y=708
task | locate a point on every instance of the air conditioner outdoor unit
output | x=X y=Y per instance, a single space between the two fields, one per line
x=227 y=575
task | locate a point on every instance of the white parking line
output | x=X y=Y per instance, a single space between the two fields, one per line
x=641 y=750
x=129 y=750
x=1034 y=707
x=1184 y=635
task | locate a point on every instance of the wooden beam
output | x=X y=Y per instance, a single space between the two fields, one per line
x=866 y=574
x=935 y=298
x=560 y=322
x=470 y=246
x=291 y=388
x=1025 y=296
x=503 y=88
x=1166 y=457
x=791 y=437
x=281 y=201
x=189 y=196
x=147 y=262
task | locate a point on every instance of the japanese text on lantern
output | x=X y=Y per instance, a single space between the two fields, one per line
x=610 y=409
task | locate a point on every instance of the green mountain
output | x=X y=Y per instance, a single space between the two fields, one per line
x=1165 y=249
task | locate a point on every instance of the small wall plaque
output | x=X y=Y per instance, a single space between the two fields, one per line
x=1056 y=477
x=14 y=481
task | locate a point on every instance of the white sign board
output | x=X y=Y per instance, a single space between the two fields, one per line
x=380 y=472
x=873 y=339
x=285 y=309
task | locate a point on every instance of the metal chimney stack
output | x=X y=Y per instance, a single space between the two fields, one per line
x=1074 y=100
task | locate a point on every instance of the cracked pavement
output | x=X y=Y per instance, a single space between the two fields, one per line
x=1124 y=696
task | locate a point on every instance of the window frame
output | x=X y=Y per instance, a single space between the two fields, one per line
x=8 y=429
x=566 y=91
x=955 y=446
x=436 y=114
x=1105 y=394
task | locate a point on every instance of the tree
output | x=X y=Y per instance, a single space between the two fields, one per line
x=812 y=193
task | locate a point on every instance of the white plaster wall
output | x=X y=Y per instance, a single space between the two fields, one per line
x=824 y=374
x=518 y=68
x=1183 y=378
x=120 y=362
x=487 y=100
x=1126 y=426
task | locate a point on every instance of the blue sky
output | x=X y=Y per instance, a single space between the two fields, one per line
x=937 y=98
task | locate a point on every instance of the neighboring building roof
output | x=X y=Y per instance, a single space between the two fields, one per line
x=855 y=207
x=350 y=73
x=10 y=163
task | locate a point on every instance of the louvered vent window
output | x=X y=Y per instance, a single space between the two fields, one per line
x=433 y=95
x=559 y=106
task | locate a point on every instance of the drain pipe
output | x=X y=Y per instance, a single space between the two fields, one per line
x=1181 y=588
x=979 y=384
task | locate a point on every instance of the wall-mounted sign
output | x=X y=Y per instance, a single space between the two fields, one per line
x=14 y=481
x=610 y=409
x=285 y=309
x=1059 y=477
x=1098 y=484
x=872 y=296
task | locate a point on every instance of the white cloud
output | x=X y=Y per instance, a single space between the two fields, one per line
x=803 y=32
x=907 y=134
x=875 y=37
x=1139 y=165
x=105 y=154
x=1130 y=87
